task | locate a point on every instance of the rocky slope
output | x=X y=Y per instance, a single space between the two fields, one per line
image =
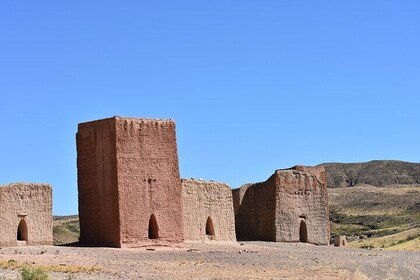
x=376 y=173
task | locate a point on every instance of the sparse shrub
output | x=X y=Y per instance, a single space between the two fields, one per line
x=29 y=273
x=8 y=264
x=411 y=237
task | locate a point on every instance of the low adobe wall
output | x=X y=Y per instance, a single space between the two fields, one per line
x=208 y=211
x=26 y=214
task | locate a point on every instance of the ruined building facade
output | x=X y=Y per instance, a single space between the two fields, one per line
x=26 y=215
x=131 y=194
x=208 y=211
x=291 y=206
x=128 y=181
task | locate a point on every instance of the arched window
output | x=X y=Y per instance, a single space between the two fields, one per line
x=153 y=228
x=303 y=232
x=209 y=228
x=22 y=231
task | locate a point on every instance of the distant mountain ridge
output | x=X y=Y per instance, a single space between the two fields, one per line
x=376 y=173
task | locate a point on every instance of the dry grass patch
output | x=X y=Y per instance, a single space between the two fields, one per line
x=412 y=245
x=391 y=242
x=12 y=264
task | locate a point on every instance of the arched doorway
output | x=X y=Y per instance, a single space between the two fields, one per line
x=303 y=232
x=153 y=228
x=22 y=231
x=210 y=228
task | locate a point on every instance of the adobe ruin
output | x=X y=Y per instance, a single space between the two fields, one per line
x=26 y=214
x=131 y=194
x=340 y=241
x=128 y=181
x=291 y=206
x=208 y=211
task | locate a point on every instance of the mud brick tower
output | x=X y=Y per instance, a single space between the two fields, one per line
x=26 y=214
x=128 y=181
x=291 y=206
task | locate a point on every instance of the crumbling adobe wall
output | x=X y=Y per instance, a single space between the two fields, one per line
x=148 y=180
x=203 y=200
x=29 y=205
x=255 y=207
x=302 y=202
x=128 y=175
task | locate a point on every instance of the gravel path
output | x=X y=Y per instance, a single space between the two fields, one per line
x=214 y=260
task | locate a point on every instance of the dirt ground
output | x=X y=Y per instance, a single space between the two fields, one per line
x=214 y=260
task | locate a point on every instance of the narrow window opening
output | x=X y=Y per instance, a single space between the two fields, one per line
x=210 y=228
x=303 y=232
x=153 y=228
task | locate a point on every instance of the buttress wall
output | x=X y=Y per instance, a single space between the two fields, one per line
x=97 y=183
x=208 y=211
x=26 y=214
x=148 y=181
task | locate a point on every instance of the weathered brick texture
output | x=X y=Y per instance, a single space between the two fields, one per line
x=129 y=184
x=27 y=205
x=291 y=206
x=97 y=183
x=208 y=211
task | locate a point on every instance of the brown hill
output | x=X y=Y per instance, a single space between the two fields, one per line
x=377 y=217
x=376 y=173
x=66 y=229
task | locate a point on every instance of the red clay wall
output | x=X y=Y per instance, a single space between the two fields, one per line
x=148 y=180
x=97 y=183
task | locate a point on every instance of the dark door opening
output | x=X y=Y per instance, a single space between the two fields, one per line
x=303 y=232
x=210 y=228
x=153 y=228
x=22 y=231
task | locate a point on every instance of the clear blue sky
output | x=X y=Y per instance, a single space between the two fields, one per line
x=252 y=85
